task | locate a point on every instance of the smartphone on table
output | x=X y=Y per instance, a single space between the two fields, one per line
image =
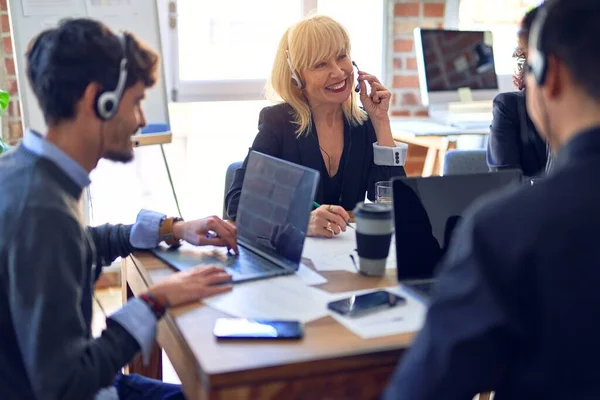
x=356 y=306
x=243 y=328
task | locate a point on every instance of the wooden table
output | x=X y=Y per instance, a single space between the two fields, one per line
x=330 y=362
x=437 y=143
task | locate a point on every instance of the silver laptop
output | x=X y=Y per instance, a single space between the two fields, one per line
x=426 y=212
x=272 y=220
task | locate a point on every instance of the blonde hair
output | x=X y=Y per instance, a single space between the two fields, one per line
x=309 y=41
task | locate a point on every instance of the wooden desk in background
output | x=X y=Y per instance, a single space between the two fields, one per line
x=330 y=362
x=436 y=138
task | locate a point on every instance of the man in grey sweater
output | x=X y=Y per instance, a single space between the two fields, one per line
x=89 y=83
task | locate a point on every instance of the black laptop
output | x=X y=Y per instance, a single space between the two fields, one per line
x=426 y=212
x=272 y=220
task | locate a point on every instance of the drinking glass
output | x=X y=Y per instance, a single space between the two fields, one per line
x=383 y=192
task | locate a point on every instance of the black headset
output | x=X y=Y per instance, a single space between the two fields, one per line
x=107 y=102
x=539 y=63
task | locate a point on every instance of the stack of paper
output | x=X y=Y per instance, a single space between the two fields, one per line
x=393 y=321
x=333 y=254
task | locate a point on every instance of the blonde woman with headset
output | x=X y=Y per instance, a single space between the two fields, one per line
x=318 y=122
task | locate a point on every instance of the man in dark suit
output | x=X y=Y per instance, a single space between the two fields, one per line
x=515 y=309
x=514 y=142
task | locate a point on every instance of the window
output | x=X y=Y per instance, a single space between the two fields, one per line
x=225 y=50
x=502 y=17
x=367 y=42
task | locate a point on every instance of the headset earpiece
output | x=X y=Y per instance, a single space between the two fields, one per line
x=107 y=102
x=539 y=61
x=295 y=78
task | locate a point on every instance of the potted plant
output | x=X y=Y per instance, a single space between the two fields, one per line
x=4 y=99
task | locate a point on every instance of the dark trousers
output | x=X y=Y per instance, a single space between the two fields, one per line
x=137 y=387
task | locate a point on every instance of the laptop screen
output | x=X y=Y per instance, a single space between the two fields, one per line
x=427 y=211
x=275 y=206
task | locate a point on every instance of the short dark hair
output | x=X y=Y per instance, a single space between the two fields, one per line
x=570 y=33
x=63 y=61
x=520 y=52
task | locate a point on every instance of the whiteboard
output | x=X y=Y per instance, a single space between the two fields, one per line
x=140 y=17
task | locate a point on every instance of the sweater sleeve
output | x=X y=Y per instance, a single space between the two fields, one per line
x=47 y=274
x=111 y=241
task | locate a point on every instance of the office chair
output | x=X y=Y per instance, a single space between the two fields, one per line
x=457 y=162
x=228 y=180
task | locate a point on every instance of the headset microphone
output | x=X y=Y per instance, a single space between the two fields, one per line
x=357 y=88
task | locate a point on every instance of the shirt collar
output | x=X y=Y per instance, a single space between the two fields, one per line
x=35 y=143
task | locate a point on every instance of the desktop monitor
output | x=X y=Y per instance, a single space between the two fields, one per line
x=449 y=60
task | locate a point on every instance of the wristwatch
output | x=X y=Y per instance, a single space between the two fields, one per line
x=166 y=231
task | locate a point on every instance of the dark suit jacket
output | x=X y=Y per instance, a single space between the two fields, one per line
x=515 y=308
x=277 y=137
x=514 y=142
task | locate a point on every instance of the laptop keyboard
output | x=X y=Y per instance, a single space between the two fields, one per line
x=247 y=262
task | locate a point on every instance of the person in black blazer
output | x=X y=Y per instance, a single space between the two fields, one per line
x=514 y=142
x=515 y=306
x=320 y=125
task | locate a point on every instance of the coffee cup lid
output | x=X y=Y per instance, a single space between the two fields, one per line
x=373 y=210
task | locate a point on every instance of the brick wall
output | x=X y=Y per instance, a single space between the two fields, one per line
x=12 y=129
x=405 y=17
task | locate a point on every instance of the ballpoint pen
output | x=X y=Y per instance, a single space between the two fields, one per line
x=317 y=205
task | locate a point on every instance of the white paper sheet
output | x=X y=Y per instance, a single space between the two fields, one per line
x=309 y=276
x=33 y=8
x=111 y=7
x=286 y=297
x=396 y=320
x=333 y=254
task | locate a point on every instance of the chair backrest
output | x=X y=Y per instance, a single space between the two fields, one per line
x=459 y=162
x=228 y=180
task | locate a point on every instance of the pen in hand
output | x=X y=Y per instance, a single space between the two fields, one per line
x=317 y=205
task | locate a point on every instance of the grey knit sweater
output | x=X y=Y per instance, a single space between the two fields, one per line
x=48 y=263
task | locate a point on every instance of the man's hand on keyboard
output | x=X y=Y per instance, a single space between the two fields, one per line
x=192 y=285
x=199 y=232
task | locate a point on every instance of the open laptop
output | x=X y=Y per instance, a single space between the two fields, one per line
x=426 y=212
x=272 y=220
